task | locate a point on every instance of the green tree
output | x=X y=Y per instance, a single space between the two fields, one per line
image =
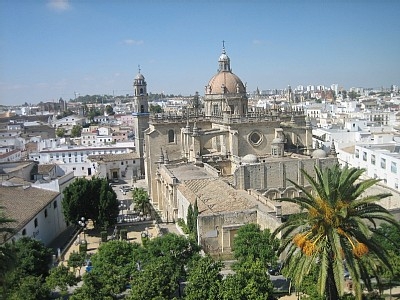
x=30 y=288
x=189 y=218
x=7 y=258
x=252 y=243
x=92 y=289
x=353 y=95
x=250 y=282
x=155 y=109
x=204 y=279
x=93 y=199
x=113 y=265
x=32 y=264
x=158 y=279
x=61 y=278
x=76 y=260
x=60 y=132
x=195 y=215
x=177 y=247
x=109 y=110
x=389 y=237
x=333 y=228
x=141 y=199
x=32 y=257
x=76 y=131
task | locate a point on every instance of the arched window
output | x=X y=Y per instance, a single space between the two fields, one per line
x=171 y=136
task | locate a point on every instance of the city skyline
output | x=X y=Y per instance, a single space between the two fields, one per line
x=53 y=49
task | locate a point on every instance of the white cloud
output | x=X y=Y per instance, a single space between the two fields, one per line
x=58 y=5
x=133 y=42
x=258 y=42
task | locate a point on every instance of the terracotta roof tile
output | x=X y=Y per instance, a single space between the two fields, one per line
x=216 y=196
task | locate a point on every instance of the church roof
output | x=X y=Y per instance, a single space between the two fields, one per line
x=215 y=196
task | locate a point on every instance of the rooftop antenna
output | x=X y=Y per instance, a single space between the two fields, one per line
x=139 y=68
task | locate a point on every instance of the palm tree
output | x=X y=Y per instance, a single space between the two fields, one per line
x=334 y=231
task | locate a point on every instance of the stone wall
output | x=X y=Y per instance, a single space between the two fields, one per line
x=274 y=174
x=216 y=232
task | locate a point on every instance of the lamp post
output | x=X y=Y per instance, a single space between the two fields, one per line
x=83 y=223
x=122 y=206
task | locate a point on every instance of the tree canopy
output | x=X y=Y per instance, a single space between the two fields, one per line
x=76 y=131
x=253 y=243
x=93 y=199
x=32 y=264
x=141 y=199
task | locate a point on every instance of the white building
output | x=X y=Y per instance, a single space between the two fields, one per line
x=75 y=159
x=381 y=161
x=37 y=212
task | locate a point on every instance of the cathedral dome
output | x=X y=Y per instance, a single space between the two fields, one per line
x=249 y=159
x=319 y=153
x=225 y=83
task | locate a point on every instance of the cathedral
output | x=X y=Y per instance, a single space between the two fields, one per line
x=231 y=160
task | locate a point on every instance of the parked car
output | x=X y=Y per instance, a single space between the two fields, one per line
x=124 y=189
x=275 y=270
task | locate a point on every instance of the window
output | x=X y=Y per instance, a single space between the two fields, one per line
x=122 y=163
x=55 y=204
x=215 y=109
x=36 y=222
x=383 y=163
x=373 y=159
x=364 y=156
x=357 y=153
x=24 y=231
x=73 y=168
x=393 y=167
x=83 y=168
x=45 y=213
x=171 y=136
x=133 y=161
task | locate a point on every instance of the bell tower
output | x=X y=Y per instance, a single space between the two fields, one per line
x=140 y=115
x=141 y=103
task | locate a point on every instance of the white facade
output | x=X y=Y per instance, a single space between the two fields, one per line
x=75 y=159
x=69 y=121
x=12 y=155
x=380 y=161
x=47 y=224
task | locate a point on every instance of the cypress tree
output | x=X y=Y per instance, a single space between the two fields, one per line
x=189 y=218
x=195 y=214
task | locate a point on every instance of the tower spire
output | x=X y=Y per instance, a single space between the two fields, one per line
x=224 y=61
x=139 y=68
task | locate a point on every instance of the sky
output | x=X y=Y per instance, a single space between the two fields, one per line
x=65 y=48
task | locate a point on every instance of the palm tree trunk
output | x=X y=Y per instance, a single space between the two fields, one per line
x=331 y=291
